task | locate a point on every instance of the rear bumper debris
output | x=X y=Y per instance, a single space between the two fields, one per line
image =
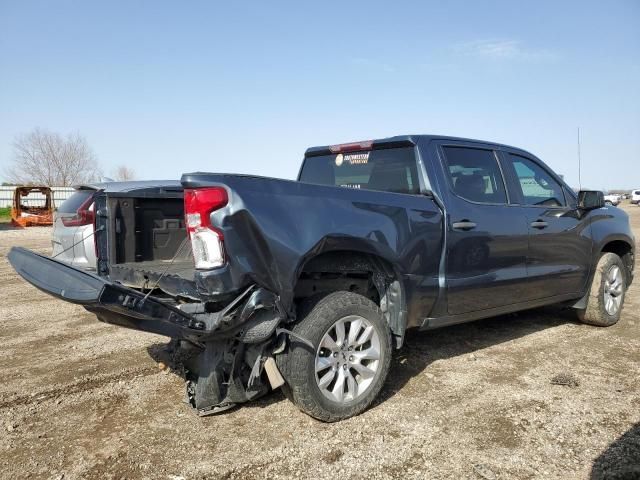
x=227 y=351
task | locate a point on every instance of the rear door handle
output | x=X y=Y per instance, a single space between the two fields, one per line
x=539 y=224
x=464 y=225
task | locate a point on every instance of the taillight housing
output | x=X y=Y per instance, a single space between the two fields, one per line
x=83 y=216
x=206 y=241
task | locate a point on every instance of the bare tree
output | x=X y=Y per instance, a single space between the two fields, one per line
x=48 y=158
x=124 y=174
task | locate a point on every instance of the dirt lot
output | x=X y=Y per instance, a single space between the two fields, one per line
x=80 y=399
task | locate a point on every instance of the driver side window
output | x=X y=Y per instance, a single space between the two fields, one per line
x=538 y=187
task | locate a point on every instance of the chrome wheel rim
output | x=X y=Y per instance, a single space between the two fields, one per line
x=347 y=359
x=613 y=290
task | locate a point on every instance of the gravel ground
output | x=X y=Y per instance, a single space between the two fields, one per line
x=532 y=395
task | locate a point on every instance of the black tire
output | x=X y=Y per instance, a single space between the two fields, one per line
x=596 y=312
x=297 y=364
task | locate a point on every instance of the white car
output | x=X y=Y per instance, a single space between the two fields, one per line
x=612 y=199
x=72 y=237
x=635 y=197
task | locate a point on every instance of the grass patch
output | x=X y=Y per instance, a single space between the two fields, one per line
x=5 y=214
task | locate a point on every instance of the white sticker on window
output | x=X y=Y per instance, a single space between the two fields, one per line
x=357 y=158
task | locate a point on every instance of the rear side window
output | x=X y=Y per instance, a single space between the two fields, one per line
x=71 y=204
x=475 y=174
x=537 y=185
x=389 y=170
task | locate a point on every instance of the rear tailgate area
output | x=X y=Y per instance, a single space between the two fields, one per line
x=111 y=302
x=142 y=241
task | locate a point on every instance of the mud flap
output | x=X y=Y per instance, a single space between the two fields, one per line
x=220 y=378
x=207 y=396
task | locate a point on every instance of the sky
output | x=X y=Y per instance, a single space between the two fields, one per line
x=168 y=87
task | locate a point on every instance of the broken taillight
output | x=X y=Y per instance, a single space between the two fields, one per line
x=206 y=241
x=83 y=216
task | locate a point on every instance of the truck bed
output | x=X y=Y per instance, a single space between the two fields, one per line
x=154 y=268
x=146 y=244
x=175 y=278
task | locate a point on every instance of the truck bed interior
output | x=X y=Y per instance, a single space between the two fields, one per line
x=148 y=239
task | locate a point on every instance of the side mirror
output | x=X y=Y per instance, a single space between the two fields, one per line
x=590 y=199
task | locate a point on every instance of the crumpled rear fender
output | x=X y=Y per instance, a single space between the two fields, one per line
x=272 y=227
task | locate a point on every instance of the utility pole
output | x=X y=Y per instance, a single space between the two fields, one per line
x=579 y=163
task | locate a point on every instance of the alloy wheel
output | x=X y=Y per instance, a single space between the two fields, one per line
x=347 y=359
x=613 y=290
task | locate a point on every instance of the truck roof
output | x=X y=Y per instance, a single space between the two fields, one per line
x=395 y=141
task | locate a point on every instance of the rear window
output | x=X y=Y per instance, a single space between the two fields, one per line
x=33 y=199
x=389 y=170
x=71 y=204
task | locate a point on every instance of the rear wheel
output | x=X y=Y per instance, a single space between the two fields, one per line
x=606 y=297
x=349 y=362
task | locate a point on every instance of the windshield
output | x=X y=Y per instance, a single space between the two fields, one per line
x=389 y=170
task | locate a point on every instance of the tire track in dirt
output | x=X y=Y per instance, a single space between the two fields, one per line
x=83 y=385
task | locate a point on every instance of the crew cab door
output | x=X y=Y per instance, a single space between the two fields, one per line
x=559 y=256
x=487 y=236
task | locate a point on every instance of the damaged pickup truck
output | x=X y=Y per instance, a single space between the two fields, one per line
x=311 y=284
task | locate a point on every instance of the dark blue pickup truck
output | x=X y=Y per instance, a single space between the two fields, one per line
x=311 y=284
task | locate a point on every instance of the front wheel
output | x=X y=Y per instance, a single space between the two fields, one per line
x=606 y=297
x=344 y=371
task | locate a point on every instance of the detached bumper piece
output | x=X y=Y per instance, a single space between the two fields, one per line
x=225 y=374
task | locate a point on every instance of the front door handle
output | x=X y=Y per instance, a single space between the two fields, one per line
x=539 y=224
x=463 y=225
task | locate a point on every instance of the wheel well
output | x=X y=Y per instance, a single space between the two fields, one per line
x=624 y=251
x=362 y=273
x=619 y=247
